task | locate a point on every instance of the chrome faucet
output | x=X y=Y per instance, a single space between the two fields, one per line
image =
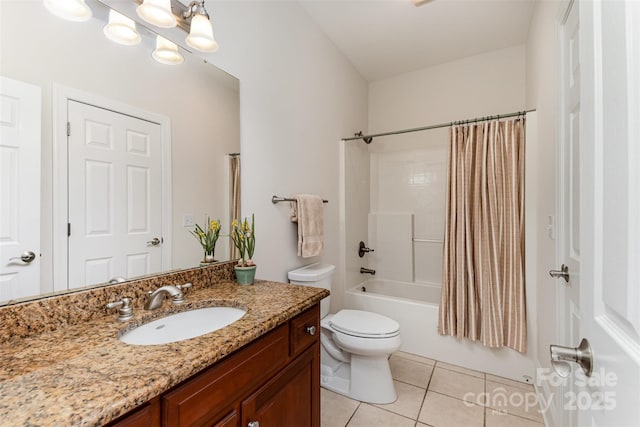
x=155 y=298
x=367 y=271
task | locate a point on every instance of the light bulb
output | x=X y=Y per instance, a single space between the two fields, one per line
x=158 y=13
x=167 y=52
x=121 y=29
x=201 y=35
x=71 y=10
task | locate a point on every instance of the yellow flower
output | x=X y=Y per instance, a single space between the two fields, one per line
x=234 y=223
x=214 y=225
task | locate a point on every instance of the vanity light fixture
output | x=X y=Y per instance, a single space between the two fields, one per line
x=158 y=13
x=121 y=29
x=167 y=52
x=201 y=34
x=71 y=10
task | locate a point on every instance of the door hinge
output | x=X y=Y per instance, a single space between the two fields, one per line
x=68 y=128
x=68 y=229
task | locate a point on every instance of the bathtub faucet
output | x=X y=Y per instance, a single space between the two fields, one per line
x=367 y=271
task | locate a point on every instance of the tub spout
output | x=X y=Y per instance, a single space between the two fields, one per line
x=367 y=271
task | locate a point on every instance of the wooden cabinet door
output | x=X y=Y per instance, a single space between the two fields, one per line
x=291 y=398
x=147 y=415
x=208 y=397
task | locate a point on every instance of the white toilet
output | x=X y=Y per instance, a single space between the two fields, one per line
x=355 y=345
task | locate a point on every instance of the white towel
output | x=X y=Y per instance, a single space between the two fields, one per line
x=308 y=212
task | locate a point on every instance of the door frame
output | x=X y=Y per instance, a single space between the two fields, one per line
x=564 y=315
x=61 y=95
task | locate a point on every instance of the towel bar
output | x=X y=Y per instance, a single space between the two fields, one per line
x=276 y=199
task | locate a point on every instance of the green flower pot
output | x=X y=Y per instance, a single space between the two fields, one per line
x=245 y=275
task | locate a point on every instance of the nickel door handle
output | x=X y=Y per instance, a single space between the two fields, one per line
x=25 y=257
x=582 y=355
x=311 y=330
x=154 y=242
x=563 y=273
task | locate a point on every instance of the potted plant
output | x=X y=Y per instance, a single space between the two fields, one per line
x=207 y=236
x=243 y=236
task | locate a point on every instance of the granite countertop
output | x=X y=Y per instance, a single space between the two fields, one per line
x=83 y=375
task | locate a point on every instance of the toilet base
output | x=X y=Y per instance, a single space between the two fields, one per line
x=367 y=379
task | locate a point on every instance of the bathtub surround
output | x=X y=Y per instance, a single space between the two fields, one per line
x=391 y=234
x=483 y=295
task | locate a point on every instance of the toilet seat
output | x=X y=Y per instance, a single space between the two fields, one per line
x=364 y=324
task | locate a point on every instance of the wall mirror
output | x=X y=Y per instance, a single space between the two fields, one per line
x=177 y=128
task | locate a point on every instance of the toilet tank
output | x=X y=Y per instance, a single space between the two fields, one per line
x=316 y=275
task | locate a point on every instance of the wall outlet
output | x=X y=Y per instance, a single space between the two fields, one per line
x=187 y=220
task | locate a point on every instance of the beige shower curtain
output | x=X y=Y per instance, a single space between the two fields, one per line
x=234 y=196
x=483 y=294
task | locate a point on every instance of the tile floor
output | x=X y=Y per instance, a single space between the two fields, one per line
x=432 y=393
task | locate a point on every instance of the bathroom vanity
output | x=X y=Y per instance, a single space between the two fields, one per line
x=62 y=363
x=274 y=381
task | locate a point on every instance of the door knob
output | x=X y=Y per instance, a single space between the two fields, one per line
x=25 y=257
x=582 y=355
x=154 y=242
x=253 y=424
x=563 y=272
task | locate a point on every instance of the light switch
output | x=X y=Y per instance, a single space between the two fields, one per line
x=187 y=220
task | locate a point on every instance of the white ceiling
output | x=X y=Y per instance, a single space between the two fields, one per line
x=384 y=38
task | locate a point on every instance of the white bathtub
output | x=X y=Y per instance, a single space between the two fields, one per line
x=415 y=307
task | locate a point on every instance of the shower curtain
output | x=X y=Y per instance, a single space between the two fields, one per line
x=234 y=196
x=483 y=293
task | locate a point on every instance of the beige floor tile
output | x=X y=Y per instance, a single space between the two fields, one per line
x=335 y=409
x=370 y=416
x=455 y=384
x=409 y=400
x=415 y=357
x=439 y=410
x=410 y=372
x=461 y=370
x=507 y=381
x=497 y=419
x=513 y=401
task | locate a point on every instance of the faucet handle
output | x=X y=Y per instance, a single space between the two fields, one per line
x=125 y=312
x=185 y=286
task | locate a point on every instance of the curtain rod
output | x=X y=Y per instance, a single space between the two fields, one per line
x=369 y=138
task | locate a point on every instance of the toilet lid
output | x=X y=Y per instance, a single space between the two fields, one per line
x=364 y=324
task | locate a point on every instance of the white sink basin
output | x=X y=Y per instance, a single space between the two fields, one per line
x=183 y=325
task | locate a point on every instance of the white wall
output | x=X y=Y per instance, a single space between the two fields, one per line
x=542 y=94
x=298 y=97
x=481 y=85
x=201 y=102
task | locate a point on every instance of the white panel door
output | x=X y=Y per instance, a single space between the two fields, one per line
x=610 y=177
x=19 y=189
x=115 y=195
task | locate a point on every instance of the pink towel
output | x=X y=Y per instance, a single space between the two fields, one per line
x=308 y=212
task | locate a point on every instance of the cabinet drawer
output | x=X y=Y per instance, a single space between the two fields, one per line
x=305 y=329
x=210 y=395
